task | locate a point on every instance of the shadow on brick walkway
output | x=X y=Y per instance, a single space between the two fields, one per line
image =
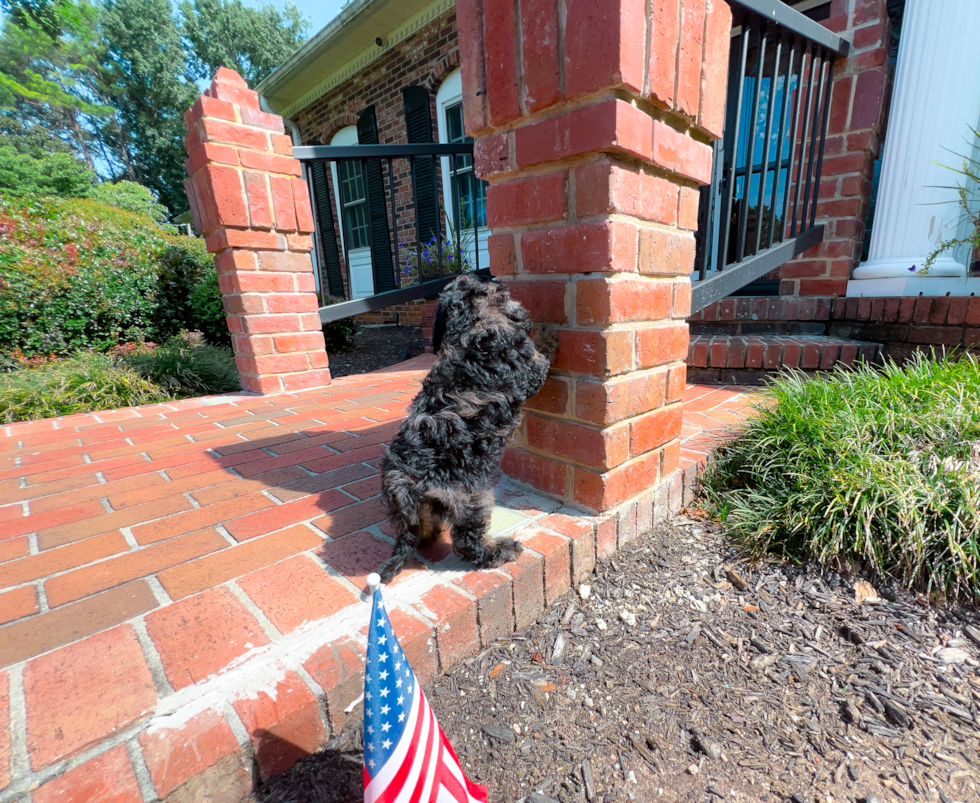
x=186 y=580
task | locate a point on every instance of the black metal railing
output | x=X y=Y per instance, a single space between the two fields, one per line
x=389 y=202
x=761 y=206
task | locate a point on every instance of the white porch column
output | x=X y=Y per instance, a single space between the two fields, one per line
x=935 y=102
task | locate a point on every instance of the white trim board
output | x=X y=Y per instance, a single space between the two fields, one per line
x=914 y=286
x=370 y=54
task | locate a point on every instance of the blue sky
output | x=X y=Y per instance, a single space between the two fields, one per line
x=319 y=12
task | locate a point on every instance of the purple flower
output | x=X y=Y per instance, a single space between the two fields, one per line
x=913 y=269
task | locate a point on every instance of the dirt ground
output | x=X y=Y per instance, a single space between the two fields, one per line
x=378 y=347
x=686 y=674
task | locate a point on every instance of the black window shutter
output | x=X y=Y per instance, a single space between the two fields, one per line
x=383 y=269
x=418 y=123
x=330 y=254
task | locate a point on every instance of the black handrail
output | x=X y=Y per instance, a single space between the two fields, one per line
x=425 y=285
x=743 y=229
x=331 y=153
x=793 y=21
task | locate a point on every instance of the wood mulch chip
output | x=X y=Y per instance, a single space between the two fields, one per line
x=378 y=347
x=685 y=673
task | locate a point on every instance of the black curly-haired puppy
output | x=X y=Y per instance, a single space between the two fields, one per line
x=440 y=466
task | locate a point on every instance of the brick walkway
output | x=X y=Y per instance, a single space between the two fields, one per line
x=181 y=585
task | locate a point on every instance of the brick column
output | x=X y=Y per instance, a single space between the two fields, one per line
x=254 y=209
x=592 y=128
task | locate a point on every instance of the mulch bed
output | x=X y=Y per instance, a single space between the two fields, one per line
x=378 y=347
x=687 y=674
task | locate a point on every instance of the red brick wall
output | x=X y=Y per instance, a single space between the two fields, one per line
x=423 y=59
x=854 y=135
x=593 y=204
x=909 y=325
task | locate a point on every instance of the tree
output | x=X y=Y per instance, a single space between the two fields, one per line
x=251 y=41
x=113 y=78
x=151 y=73
x=146 y=76
x=49 y=72
x=57 y=173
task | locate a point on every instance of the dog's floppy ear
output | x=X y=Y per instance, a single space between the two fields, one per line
x=439 y=328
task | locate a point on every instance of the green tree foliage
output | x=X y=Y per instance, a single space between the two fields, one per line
x=146 y=77
x=55 y=173
x=252 y=41
x=130 y=196
x=50 y=76
x=112 y=78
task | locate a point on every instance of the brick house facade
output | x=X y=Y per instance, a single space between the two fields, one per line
x=423 y=57
x=420 y=49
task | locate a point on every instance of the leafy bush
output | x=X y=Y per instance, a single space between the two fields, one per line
x=185 y=367
x=26 y=174
x=130 y=196
x=208 y=312
x=881 y=468
x=76 y=274
x=84 y=383
x=338 y=335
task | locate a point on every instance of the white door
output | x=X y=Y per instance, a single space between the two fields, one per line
x=464 y=195
x=352 y=211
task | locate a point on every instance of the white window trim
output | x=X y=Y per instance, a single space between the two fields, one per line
x=449 y=94
x=346 y=136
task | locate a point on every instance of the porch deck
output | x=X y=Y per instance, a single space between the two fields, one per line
x=181 y=584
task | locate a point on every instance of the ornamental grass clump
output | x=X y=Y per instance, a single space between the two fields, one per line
x=133 y=374
x=186 y=366
x=82 y=383
x=881 y=468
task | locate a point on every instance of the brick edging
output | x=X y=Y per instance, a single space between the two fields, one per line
x=214 y=736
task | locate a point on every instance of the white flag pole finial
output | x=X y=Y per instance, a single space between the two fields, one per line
x=374 y=581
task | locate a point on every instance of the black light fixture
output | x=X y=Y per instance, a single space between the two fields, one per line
x=379 y=41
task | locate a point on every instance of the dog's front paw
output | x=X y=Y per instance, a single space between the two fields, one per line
x=500 y=552
x=547 y=341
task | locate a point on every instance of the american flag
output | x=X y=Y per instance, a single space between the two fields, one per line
x=407 y=757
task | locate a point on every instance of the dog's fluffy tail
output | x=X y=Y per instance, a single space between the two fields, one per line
x=401 y=553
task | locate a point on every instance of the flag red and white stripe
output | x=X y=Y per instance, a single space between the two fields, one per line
x=407 y=757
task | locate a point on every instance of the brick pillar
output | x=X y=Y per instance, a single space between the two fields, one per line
x=854 y=134
x=592 y=128
x=254 y=210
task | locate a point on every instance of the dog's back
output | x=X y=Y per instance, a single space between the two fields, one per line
x=440 y=465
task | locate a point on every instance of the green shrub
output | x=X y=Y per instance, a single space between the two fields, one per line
x=338 y=335
x=207 y=311
x=84 y=383
x=76 y=275
x=184 y=266
x=133 y=374
x=184 y=367
x=130 y=196
x=880 y=468
x=26 y=174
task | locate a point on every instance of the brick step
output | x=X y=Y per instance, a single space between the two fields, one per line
x=751 y=359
